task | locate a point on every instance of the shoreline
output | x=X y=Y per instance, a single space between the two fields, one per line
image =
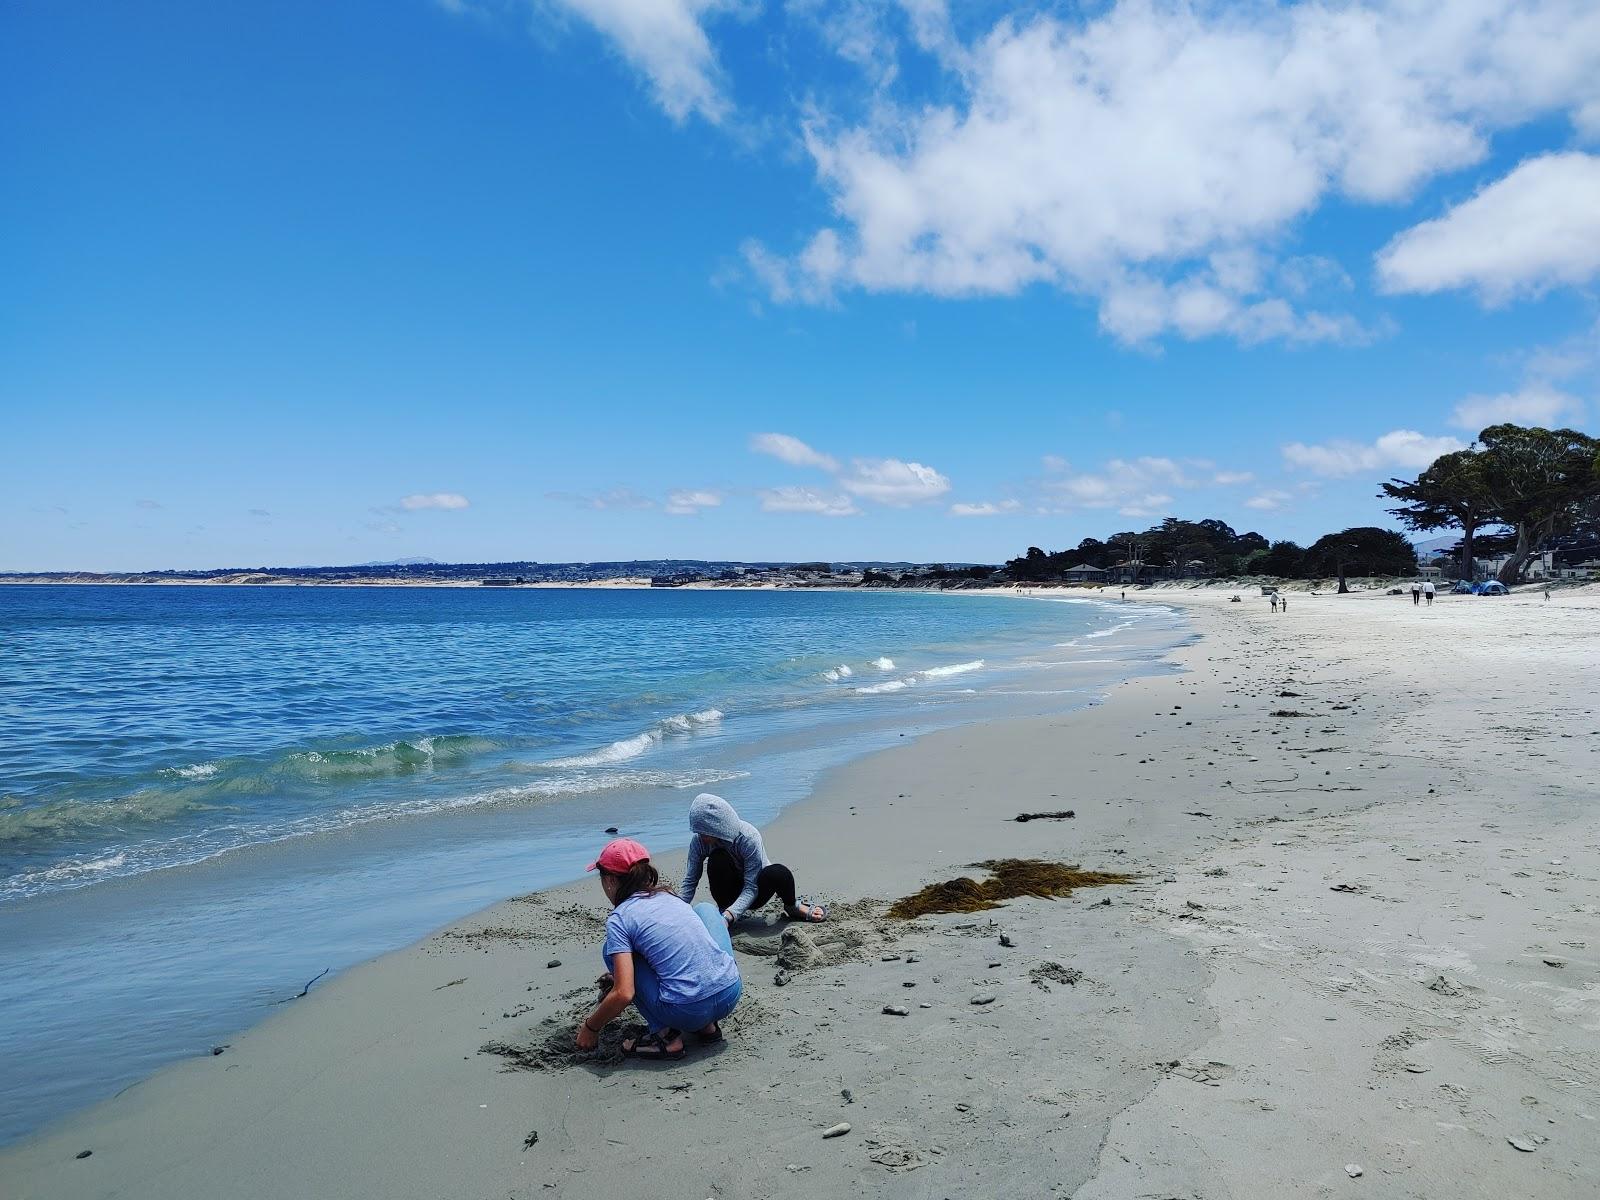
x=1234 y=999
x=442 y=867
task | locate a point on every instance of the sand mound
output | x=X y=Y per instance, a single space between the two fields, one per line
x=805 y=947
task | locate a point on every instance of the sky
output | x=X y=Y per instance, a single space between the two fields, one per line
x=489 y=280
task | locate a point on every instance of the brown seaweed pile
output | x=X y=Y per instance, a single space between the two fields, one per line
x=1009 y=878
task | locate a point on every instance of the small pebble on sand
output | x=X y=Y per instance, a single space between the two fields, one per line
x=1352 y=1170
x=839 y=1130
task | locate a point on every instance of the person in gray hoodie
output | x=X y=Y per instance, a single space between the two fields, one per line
x=739 y=873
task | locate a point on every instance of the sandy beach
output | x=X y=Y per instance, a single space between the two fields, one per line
x=1359 y=956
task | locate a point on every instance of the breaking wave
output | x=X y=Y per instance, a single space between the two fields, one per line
x=953 y=669
x=873 y=689
x=1100 y=633
x=192 y=848
x=203 y=770
x=896 y=685
x=640 y=743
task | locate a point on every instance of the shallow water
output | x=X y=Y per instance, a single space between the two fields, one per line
x=207 y=795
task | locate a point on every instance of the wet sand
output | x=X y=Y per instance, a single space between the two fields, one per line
x=1360 y=953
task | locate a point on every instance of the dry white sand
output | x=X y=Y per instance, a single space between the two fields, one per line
x=1360 y=959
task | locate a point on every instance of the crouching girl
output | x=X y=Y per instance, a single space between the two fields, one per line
x=674 y=963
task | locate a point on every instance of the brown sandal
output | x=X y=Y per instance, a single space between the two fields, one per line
x=654 y=1046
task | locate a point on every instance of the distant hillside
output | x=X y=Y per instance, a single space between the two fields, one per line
x=427 y=570
x=1427 y=546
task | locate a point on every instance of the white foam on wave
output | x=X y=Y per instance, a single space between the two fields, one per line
x=72 y=873
x=195 y=848
x=203 y=770
x=688 y=722
x=640 y=743
x=953 y=669
x=834 y=674
x=883 y=664
x=619 y=751
x=894 y=685
x=1100 y=633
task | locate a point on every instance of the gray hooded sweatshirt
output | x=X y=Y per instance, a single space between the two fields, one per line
x=714 y=816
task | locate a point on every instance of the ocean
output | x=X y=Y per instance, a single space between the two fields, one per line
x=210 y=794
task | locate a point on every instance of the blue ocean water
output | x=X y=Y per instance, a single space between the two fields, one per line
x=208 y=794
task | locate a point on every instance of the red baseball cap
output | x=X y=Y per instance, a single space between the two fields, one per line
x=618 y=856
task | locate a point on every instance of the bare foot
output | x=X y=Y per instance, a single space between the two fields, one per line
x=807 y=912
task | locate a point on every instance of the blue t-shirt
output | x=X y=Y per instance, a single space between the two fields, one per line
x=667 y=933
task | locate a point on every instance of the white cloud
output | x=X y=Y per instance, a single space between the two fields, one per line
x=1129 y=485
x=1150 y=156
x=888 y=481
x=1534 y=404
x=1270 y=500
x=1535 y=229
x=616 y=498
x=1152 y=504
x=792 y=451
x=1134 y=487
x=686 y=502
x=1398 y=448
x=1578 y=355
x=447 y=500
x=806 y=500
x=987 y=508
x=893 y=482
x=666 y=41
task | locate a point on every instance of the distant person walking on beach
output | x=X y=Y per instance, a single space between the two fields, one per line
x=1274 y=599
x=1427 y=590
x=673 y=963
x=736 y=866
x=1283 y=604
x=1416 y=593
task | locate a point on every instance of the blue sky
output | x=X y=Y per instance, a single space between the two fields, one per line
x=492 y=279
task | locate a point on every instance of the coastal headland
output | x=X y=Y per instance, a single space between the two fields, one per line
x=1360 y=952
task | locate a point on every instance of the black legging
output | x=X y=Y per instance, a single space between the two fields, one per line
x=725 y=876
